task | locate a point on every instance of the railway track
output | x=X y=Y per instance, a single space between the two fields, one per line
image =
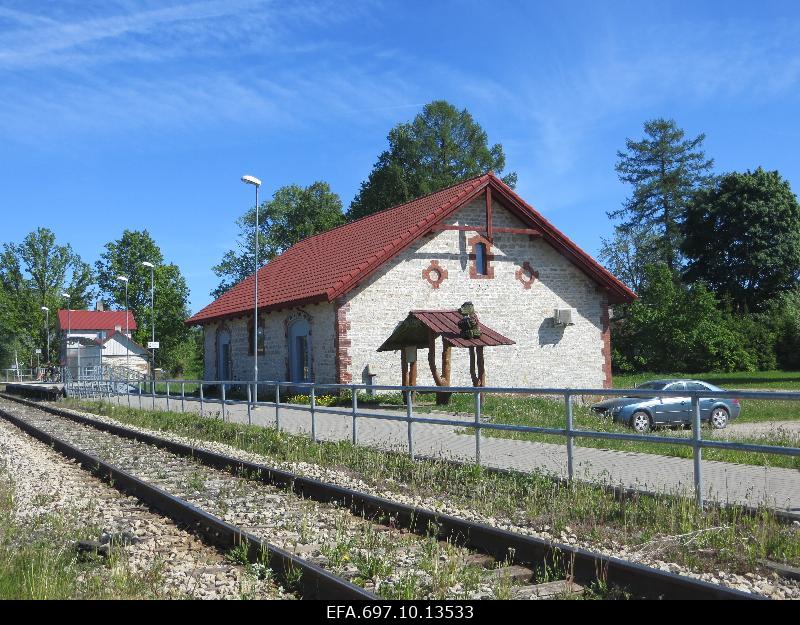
x=309 y=527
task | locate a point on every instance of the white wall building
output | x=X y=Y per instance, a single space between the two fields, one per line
x=91 y=338
x=328 y=303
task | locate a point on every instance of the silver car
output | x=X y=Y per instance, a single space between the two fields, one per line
x=644 y=413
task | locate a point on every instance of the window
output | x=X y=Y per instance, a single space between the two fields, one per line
x=480 y=259
x=261 y=340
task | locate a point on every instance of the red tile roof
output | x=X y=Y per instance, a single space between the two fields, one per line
x=95 y=320
x=445 y=324
x=324 y=266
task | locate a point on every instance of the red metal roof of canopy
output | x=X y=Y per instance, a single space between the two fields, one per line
x=95 y=320
x=324 y=266
x=443 y=323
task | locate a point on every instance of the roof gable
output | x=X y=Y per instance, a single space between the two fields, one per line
x=123 y=339
x=327 y=265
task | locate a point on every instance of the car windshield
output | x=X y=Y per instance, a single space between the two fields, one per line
x=653 y=386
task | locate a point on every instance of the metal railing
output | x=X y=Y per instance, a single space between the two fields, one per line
x=18 y=375
x=160 y=390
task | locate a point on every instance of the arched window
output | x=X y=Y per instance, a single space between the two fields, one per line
x=481 y=257
x=262 y=320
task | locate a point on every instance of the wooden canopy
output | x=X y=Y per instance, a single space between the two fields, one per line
x=420 y=329
x=415 y=331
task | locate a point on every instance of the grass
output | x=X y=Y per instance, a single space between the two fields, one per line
x=543 y=412
x=738 y=380
x=38 y=560
x=671 y=527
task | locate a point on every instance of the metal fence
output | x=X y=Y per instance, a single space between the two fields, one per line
x=175 y=392
x=18 y=375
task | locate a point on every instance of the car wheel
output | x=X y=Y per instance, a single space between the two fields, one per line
x=640 y=421
x=719 y=418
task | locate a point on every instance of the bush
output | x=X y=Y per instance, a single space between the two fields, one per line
x=675 y=327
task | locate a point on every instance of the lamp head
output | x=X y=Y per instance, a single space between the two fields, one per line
x=65 y=295
x=45 y=308
x=122 y=278
x=146 y=264
x=251 y=180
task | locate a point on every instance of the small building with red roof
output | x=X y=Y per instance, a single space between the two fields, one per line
x=327 y=304
x=93 y=338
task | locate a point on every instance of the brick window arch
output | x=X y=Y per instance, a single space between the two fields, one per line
x=481 y=258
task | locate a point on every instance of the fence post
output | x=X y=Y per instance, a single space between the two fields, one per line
x=409 y=418
x=128 y=387
x=570 y=438
x=249 y=404
x=167 y=395
x=355 y=408
x=697 y=455
x=313 y=414
x=278 y=406
x=478 y=429
x=140 y=394
x=201 y=399
x=223 y=402
x=183 y=396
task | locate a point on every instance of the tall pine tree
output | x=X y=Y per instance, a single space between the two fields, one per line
x=665 y=170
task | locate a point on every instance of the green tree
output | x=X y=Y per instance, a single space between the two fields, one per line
x=294 y=213
x=742 y=238
x=124 y=257
x=675 y=327
x=33 y=274
x=628 y=253
x=440 y=147
x=782 y=315
x=665 y=170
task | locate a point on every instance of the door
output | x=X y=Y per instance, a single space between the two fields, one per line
x=299 y=351
x=224 y=356
x=705 y=402
x=673 y=409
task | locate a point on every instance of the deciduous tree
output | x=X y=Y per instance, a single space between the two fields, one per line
x=125 y=257
x=293 y=214
x=440 y=147
x=742 y=238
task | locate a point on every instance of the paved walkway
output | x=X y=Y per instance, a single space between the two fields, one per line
x=724 y=482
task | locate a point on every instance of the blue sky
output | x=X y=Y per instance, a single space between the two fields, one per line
x=131 y=114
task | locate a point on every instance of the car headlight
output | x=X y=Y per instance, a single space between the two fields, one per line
x=616 y=410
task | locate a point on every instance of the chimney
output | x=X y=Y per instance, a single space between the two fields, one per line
x=99 y=305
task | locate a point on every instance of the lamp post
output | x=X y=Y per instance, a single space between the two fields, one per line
x=47 y=331
x=127 y=329
x=256 y=183
x=69 y=329
x=152 y=313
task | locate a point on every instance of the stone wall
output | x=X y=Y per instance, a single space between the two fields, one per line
x=274 y=363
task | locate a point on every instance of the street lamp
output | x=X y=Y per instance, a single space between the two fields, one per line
x=127 y=330
x=256 y=183
x=69 y=330
x=47 y=330
x=152 y=312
